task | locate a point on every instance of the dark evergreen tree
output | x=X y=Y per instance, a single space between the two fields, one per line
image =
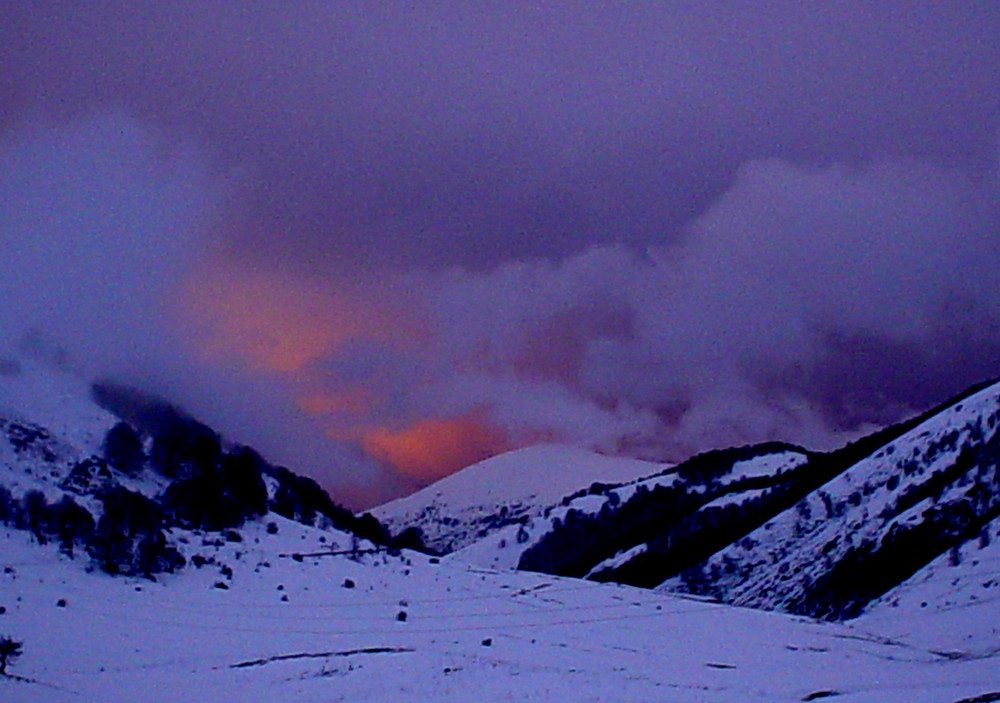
x=36 y=509
x=70 y=522
x=128 y=517
x=225 y=496
x=196 y=502
x=8 y=506
x=154 y=555
x=123 y=450
x=182 y=447
x=242 y=477
x=222 y=496
x=293 y=500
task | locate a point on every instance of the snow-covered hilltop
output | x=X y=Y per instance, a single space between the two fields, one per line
x=511 y=488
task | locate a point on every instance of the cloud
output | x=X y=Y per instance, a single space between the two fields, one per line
x=781 y=313
x=353 y=135
x=784 y=313
x=377 y=229
x=99 y=226
x=106 y=231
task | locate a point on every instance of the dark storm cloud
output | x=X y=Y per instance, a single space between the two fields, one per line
x=467 y=134
x=653 y=226
x=806 y=303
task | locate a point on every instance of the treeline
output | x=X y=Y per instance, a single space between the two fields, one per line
x=907 y=550
x=679 y=532
x=580 y=541
x=128 y=538
x=668 y=518
x=871 y=568
x=955 y=500
x=211 y=487
x=694 y=537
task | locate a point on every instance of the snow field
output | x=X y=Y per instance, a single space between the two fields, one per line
x=491 y=635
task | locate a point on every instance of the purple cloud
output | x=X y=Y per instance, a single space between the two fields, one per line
x=644 y=226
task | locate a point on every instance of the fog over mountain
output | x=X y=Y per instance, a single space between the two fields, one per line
x=380 y=244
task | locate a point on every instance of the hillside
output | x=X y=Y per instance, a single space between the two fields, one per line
x=949 y=604
x=511 y=488
x=142 y=557
x=607 y=531
x=258 y=623
x=874 y=525
x=775 y=526
x=110 y=472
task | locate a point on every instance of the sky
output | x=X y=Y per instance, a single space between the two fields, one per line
x=381 y=241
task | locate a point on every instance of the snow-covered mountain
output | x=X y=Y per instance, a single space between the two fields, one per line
x=271 y=606
x=639 y=533
x=512 y=488
x=930 y=490
x=771 y=526
x=112 y=472
x=608 y=530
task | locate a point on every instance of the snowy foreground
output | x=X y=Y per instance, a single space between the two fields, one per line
x=289 y=629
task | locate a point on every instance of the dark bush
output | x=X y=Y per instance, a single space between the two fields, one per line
x=10 y=649
x=36 y=510
x=410 y=538
x=8 y=506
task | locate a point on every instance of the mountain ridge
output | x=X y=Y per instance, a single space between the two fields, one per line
x=486 y=496
x=294 y=608
x=680 y=529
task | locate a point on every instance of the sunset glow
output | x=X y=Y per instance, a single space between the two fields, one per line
x=431 y=449
x=286 y=326
x=276 y=323
x=354 y=401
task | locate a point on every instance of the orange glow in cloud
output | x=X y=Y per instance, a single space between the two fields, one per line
x=281 y=324
x=355 y=400
x=432 y=449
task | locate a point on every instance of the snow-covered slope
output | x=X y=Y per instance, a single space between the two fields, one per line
x=48 y=425
x=951 y=605
x=505 y=545
x=873 y=525
x=512 y=487
x=616 y=531
x=58 y=399
x=108 y=470
x=328 y=628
